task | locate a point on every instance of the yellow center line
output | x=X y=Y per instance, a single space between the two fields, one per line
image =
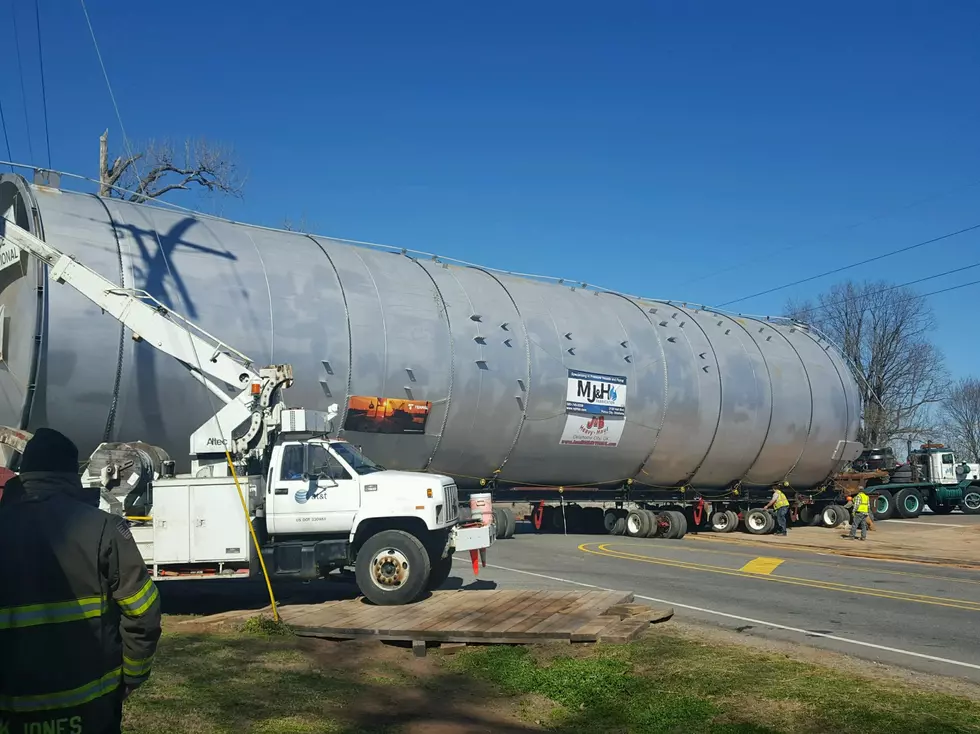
x=828 y=564
x=606 y=552
x=762 y=565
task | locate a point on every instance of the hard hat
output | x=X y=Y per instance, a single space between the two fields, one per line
x=849 y=498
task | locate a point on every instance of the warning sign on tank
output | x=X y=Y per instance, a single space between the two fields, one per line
x=369 y=414
x=592 y=430
x=593 y=393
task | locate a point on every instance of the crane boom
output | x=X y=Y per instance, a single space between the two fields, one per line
x=249 y=394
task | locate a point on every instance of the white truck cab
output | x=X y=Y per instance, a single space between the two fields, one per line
x=329 y=486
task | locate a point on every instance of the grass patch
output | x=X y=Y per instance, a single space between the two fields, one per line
x=667 y=683
x=261 y=678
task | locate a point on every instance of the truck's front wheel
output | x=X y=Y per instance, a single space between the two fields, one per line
x=441 y=569
x=392 y=568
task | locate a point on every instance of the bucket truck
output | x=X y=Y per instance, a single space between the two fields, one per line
x=310 y=502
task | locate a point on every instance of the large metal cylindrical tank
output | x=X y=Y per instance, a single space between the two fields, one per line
x=435 y=366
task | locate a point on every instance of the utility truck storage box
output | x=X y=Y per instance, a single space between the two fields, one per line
x=198 y=520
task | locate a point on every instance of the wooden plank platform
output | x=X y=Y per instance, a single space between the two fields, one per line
x=481 y=617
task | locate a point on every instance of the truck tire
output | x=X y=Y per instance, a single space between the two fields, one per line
x=758 y=522
x=392 y=568
x=971 y=501
x=440 y=572
x=844 y=514
x=609 y=518
x=884 y=506
x=619 y=528
x=510 y=522
x=830 y=517
x=669 y=525
x=638 y=524
x=721 y=522
x=908 y=502
x=681 y=524
x=734 y=517
x=652 y=517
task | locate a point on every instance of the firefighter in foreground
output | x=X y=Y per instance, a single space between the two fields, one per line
x=79 y=614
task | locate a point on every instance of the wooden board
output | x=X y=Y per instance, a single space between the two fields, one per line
x=472 y=616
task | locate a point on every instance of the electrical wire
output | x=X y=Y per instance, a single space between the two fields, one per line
x=44 y=94
x=20 y=73
x=842 y=301
x=6 y=138
x=200 y=367
x=855 y=225
x=112 y=96
x=854 y=265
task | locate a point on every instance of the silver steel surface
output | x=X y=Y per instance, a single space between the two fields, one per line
x=711 y=399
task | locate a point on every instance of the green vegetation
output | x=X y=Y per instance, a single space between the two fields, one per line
x=261 y=678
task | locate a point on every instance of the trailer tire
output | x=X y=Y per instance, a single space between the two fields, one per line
x=682 y=523
x=734 y=517
x=637 y=524
x=908 y=503
x=843 y=515
x=385 y=556
x=652 y=517
x=441 y=569
x=669 y=525
x=620 y=527
x=830 y=517
x=970 y=505
x=884 y=506
x=722 y=522
x=609 y=519
x=510 y=522
x=758 y=522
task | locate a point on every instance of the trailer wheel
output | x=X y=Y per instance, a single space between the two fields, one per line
x=734 y=518
x=884 y=506
x=971 y=501
x=758 y=522
x=652 y=517
x=681 y=522
x=392 y=568
x=908 y=502
x=441 y=569
x=830 y=517
x=609 y=519
x=669 y=524
x=620 y=527
x=721 y=522
x=510 y=522
x=637 y=524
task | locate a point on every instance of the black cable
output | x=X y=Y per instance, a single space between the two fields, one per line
x=44 y=95
x=20 y=73
x=853 y=265
x=827 y=233
x=842 y=301
x=6 y=139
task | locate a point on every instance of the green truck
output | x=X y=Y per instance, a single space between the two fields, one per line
x=930 y=478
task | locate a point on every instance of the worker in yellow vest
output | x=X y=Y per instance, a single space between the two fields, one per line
x=861 y=507
x=780 y=504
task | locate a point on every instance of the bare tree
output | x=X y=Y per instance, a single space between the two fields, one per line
x=303 y=226
x=961 y=418
x=156 y=169
x=884 y=332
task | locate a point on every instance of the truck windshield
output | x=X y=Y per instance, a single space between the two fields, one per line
x=358 y=461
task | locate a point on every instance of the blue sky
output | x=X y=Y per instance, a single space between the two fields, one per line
x=702 y=151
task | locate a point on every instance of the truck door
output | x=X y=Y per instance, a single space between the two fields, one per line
x=313 y=493
x=947 y=470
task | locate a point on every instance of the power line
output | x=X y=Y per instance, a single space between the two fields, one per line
x=44 y=94
x=112 y=96
x=853 y=265
x=6 y=138
x=20 y=73
x=842 y=301
x=742 y=263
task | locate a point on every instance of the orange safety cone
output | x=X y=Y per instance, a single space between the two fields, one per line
x=475 y=558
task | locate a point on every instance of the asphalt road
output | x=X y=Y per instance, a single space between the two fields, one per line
x=912 y=615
